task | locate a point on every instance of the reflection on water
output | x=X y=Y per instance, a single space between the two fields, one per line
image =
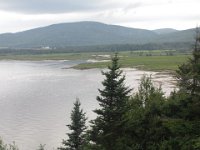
x=36 y=98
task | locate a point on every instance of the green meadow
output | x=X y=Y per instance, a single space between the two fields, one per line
x=156 y=63
x=156 y=60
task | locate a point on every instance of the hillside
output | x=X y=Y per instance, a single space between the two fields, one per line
x=90 y=34
x=165 y=31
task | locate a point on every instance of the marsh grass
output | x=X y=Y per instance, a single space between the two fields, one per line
x=157 y=60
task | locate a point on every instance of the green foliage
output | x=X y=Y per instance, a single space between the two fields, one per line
x=12 y=146
x=147 y=92
x=189 y=73
x=76 y=138
x=182 y=110
x=106 y=128
x=149 y=121
x=156 y=122
x=144 y=122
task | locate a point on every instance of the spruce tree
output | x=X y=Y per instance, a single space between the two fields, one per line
x=189 y=73
x=113 y=98
x=183 y=107
x=75 y=139
x=189 y=82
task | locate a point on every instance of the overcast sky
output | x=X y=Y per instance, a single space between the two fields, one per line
x=19 y=15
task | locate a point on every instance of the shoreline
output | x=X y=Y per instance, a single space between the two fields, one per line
x=94 y=64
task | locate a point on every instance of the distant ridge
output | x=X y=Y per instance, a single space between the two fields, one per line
x=165 y=31
x=90 y=34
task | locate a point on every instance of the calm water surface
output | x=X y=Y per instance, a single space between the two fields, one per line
x=36 y=98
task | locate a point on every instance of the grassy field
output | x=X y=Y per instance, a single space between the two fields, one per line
x=156 y=63
x=157 y=60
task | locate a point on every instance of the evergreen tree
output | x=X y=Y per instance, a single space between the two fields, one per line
x=12 y=146
x=144 y=125
x=106 y=129
x=189 y=82
x=183 y=107
x=189 y=73
x=76 y=137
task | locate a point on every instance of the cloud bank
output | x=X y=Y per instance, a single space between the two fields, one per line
x=57 y=6
x=18 y=15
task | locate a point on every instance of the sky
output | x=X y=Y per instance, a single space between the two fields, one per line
x=20 y=15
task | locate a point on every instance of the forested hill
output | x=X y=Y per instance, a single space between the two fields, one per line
x=90 y=34
x=165 y=31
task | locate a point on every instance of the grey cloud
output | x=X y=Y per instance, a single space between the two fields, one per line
x=134 y=6
x=111 y=18
x=54 y=6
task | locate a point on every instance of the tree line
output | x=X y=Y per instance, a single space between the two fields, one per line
x=181 y=46
x=146 y=120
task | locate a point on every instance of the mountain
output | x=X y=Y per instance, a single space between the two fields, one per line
x=76 y=34
x=90 y=34
x=165 y=31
